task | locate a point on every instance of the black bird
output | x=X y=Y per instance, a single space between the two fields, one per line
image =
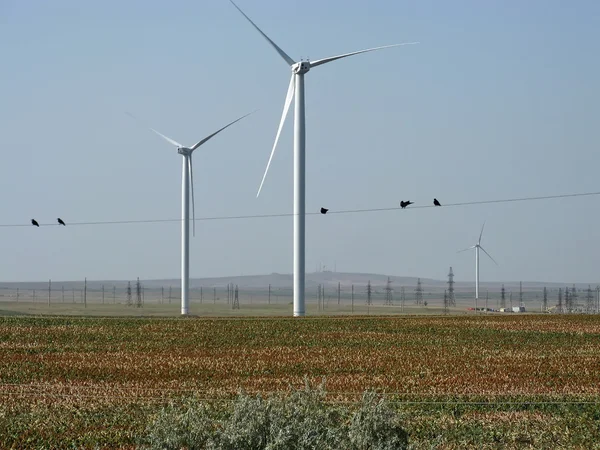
x=34 y=222
x=324 y=210
x=60 y=221
x=436 y=203
x=404 y=204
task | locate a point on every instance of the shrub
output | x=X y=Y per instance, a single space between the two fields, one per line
x=301 y=420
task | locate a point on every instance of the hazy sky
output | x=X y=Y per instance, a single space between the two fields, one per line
x=499 y=100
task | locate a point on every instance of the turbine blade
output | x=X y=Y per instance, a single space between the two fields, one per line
x=286 y=107
x=168 y=139
x=481 y=234
x=318 y=62
x=283 y=54
x=464 y=250
x=488 y=254
x=191 y=172
x=198 y=144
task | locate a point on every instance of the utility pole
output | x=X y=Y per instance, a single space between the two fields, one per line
x=171 y=296
x=62 y=288
x=352 y=298
x=511 y=303
x=49 y=291
x=269 y=294
x=589 y=301
x=503 y=298
x=114 y=294
x=129 y=293
x=369 y=291
x=339 y=291
x=451 y=297
x=85 y=292
x=545 y=300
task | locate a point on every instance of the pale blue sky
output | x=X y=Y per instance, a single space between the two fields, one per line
x=499 y=100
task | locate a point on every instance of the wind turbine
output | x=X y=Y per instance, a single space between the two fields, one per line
x=187 y=180
x=296 y=89
x=477 y=247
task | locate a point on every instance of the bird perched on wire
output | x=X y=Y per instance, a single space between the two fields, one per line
x=34 y=223
x=324 y=210
x=60 y=221
x=404 y=204
x=436 y=203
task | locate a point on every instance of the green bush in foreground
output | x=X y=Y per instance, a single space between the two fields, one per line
x=301 y=420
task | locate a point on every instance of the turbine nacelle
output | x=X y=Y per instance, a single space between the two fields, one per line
x=185 y=151
x=300 y=68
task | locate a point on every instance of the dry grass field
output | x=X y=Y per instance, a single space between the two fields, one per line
x=511 y=381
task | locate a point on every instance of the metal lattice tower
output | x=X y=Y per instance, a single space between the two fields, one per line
x=138 y=292
x=419 y=293
x=129 y=293
x=545 y=300
x=402 y=298
x=451 y=297
x=446 y=299
x=568 y=300
x=236 y=298
x=521 y=293
x=388 y=292
x=574 y=296
x=589 y=301
x=560 y=301
x=369 y=292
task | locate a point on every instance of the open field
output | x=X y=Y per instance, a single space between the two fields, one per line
x=511 y=381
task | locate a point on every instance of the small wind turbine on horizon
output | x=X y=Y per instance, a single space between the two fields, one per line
x=187 y=180
x=477 y=247
x=296 y=90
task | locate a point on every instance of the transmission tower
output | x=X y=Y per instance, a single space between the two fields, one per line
x=388 y=293
x=589 y=301
x=419 y=293
x=446 y=299
x=560 y=301
x=520 y=293
x=545 y=300
x=129 y=293
x=236 y=298
x=369 y=292
x=574 y=297
x=451 y=297
x=402 y=298
x=503 y=297
x=568 y=300
x=138 y=293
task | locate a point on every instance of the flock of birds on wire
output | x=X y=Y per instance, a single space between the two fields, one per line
x=403 y=204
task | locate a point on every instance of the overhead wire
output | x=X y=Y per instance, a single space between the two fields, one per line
x=344 y=211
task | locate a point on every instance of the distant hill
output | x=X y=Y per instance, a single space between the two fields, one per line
x=276 y=280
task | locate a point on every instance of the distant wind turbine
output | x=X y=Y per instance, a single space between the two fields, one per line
x=296 y=89
x=187 y=180
x=477 y=247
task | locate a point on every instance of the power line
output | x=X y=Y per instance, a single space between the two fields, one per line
x=345 y=211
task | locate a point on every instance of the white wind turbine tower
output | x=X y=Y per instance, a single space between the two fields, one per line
x=187 y=180
x=477 y=247
x=296 y=89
